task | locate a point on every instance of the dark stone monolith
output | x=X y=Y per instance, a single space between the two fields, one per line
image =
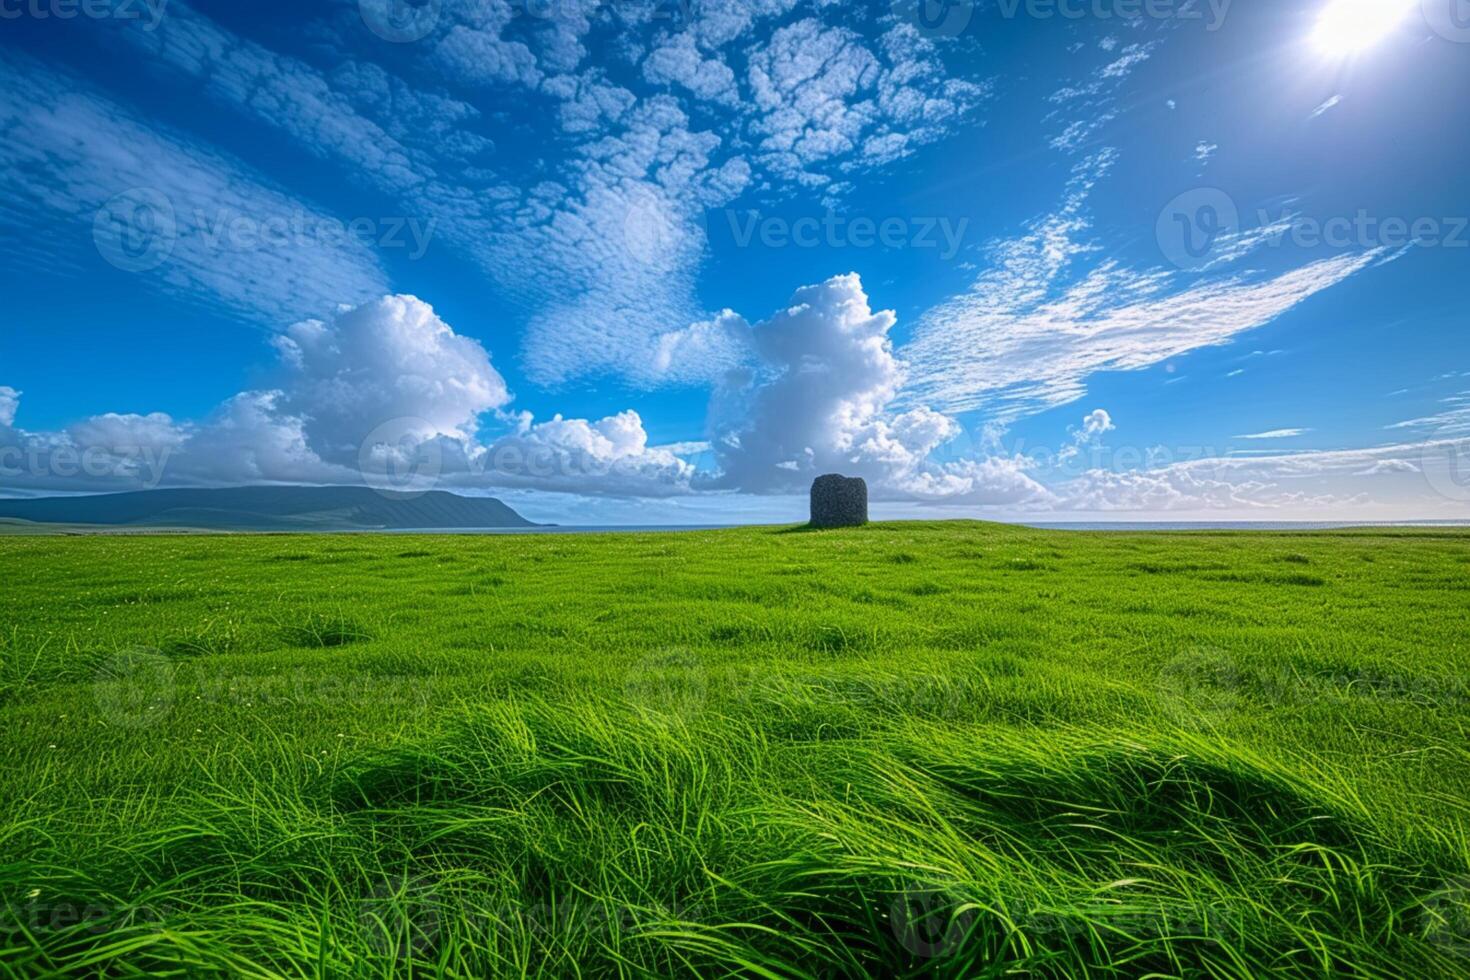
x=839 y=501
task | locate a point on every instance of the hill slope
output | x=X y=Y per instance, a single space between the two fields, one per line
x=270 y=509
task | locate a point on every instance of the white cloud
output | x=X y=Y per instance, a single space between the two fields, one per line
x=9 y=404
x=479 y=55
x=1087 y=107
x=609 y=457
x=392 y=358
x=820 y=94
x=1402 y=481
x=385 y=381
x=184 y=220
x=678 y=62
x=1453 y=421
x=1034 y=325
x=599 y=245
x=1330 y=104
x=1276 y=434
x=819 y=400
x=1390 y=466
x=1204 y=150
x=1094 y=425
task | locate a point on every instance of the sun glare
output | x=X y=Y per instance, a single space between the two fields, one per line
x=1346 y=27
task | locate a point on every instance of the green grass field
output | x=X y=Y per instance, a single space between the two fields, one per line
x=910 y=750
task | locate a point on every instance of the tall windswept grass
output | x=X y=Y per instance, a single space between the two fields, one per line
x=737 y=754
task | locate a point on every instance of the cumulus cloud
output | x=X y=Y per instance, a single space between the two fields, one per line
x=384 y=385
x=1094 y=425
x=610 y=456
x=392 y=358
x=107 y=451
x=818 y=399
x=480 y=55
x=9 y=403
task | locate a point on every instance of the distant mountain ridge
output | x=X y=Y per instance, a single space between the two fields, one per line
x=271 y=509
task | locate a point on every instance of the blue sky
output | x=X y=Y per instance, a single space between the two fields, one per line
x=658 y=261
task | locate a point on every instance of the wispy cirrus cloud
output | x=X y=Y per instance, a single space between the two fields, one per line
x=183 y=218
x=600 y=244
x=1276 y=434
x=1038 y=321
x=1453 y=420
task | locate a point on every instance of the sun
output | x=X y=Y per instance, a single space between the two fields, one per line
x=1346 y=27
